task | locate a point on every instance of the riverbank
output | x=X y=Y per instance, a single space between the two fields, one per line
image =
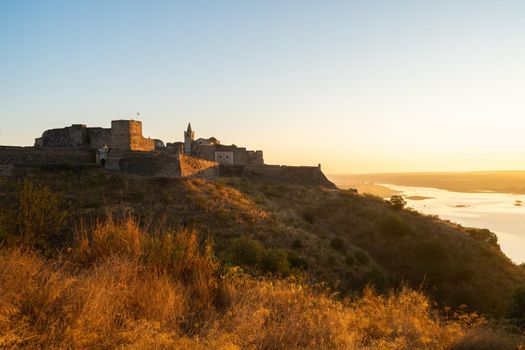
x=469 y=182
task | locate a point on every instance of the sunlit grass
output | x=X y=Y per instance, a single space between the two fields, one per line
x=122 y=287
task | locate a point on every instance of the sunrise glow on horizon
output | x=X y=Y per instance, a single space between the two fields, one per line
x=358 y=86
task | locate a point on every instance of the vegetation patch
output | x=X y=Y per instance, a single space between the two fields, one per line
x=393 y=226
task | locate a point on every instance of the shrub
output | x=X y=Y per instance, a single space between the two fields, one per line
x=296 y=261
x=397 y=202
x=337 y=244
x=39 y=215
x=276 y=261
x=484 y=236
x=108 y=238
x=393 y=226
x=245 y=252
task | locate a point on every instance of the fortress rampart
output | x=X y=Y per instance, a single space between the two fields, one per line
x=160 y=163
x=307 y=175
x=123 y=148
x=11 y=155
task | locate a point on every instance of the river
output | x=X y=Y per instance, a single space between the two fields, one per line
x=502 y=213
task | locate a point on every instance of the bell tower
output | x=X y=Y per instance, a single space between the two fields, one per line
x=189 y=136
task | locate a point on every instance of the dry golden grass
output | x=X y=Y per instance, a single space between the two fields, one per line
x=123 y=288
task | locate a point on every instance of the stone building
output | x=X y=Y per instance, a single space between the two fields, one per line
x=212 y=150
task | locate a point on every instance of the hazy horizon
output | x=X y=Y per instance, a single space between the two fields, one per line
x=360 y=87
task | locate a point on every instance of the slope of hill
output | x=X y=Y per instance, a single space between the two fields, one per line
x=333 y=236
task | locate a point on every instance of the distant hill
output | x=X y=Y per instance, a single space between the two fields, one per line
x=494 y=181
x=333 y=236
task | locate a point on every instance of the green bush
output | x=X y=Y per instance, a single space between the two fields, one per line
x=39 y=216
x=276 y=261
x=393 y=226
x=296 y=261
x=246 y=252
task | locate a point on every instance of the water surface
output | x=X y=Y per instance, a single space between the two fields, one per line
x=499 y=212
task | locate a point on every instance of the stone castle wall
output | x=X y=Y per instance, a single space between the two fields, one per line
x=254 y=158
x=159 y=163
x=98 y=137
x=306 y=175
x=11 y=155
x=150 y=164
x=192 y=166
x=74 y=136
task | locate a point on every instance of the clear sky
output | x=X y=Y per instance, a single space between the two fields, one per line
x=359 y=86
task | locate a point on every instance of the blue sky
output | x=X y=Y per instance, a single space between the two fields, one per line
x=359 y=86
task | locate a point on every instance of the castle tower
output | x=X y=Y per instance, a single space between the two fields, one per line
x=127 y=135
x=189 y=136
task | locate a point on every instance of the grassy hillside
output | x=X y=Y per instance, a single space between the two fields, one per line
x=95 y=260
x=324 y=235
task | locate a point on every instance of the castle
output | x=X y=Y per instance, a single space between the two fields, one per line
x=123 y=148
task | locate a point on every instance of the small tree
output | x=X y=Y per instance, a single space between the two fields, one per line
x=397 y=202
x=39 y=215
